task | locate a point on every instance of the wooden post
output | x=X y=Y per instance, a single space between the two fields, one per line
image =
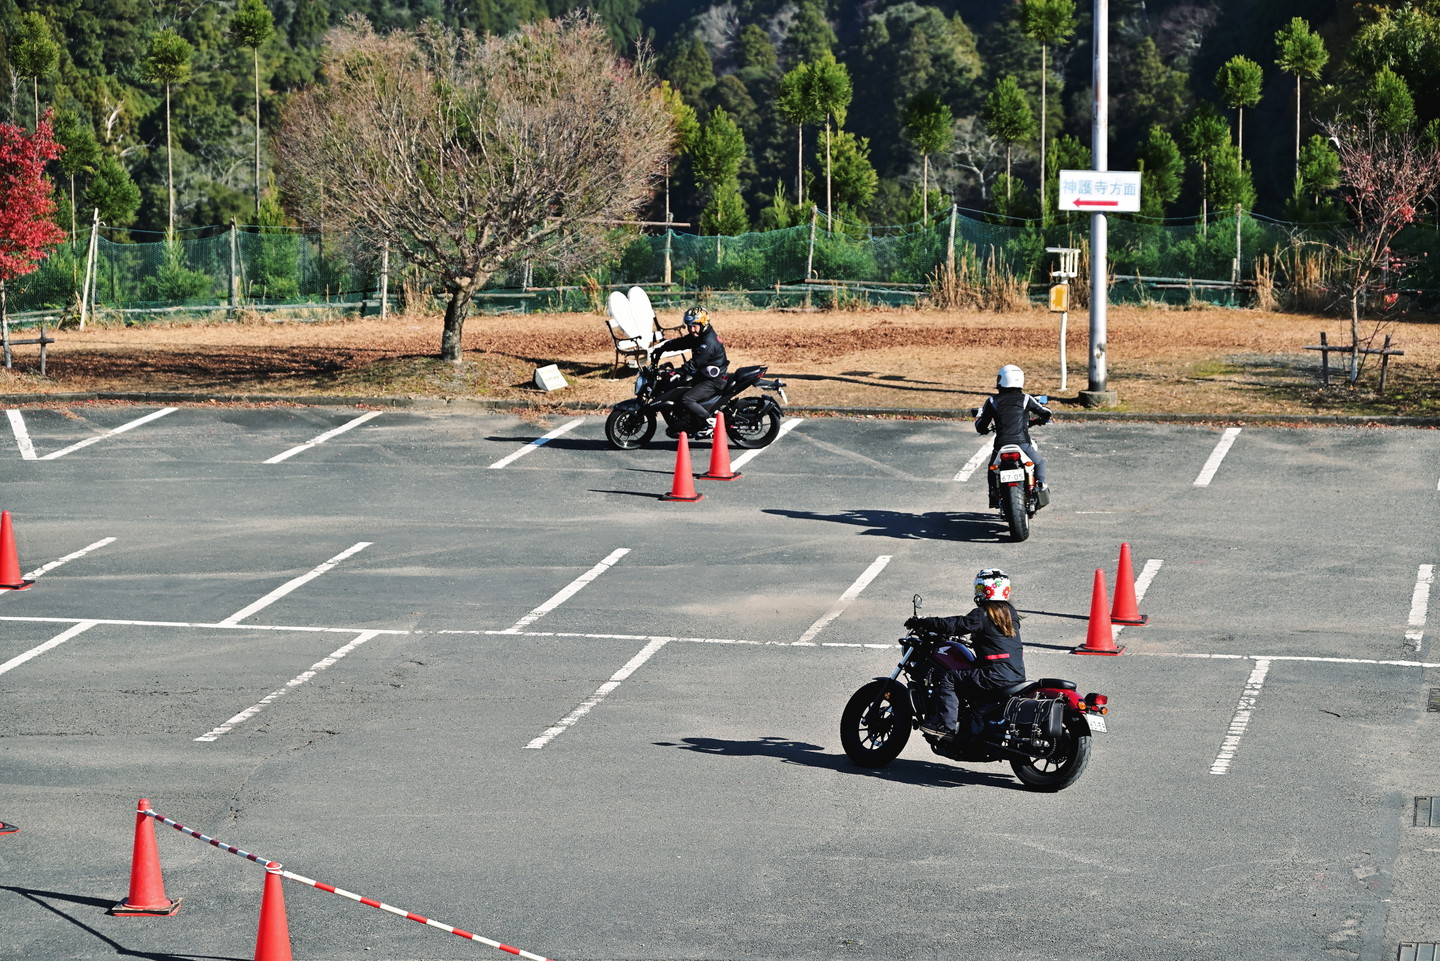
x=89 y=268
x=810 y=257
x=234 y=272
x=950 y=244
x=385 y=279
x=1384 y=362
x=1324 y=361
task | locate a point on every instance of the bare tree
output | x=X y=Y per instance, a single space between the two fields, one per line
x=470 y=153
x=1384 y=174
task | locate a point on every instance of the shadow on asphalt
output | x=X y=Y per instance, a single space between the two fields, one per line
x=901 y=770
x=932 y=525
x=43 y=899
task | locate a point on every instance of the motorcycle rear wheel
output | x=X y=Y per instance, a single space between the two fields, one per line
x=1012 y=505
x=752 y=423
x=875 y=724
x=629 y=429
x=1063 y=769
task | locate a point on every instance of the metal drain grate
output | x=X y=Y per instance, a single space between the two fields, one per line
x=1427 y=812
x=1434 y=702
x=1415 y=951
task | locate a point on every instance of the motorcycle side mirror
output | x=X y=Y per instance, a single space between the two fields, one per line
x=1042 y=399
x=974 y=412
x=917 y=600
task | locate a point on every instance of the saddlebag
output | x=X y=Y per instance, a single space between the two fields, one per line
x=1028 y=718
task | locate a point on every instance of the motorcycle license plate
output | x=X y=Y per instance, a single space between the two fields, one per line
x=1011 y=476
x=1097 y=723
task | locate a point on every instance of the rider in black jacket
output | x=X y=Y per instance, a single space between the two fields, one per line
x=994 y=629
x=705 y=373
x=1008 y=413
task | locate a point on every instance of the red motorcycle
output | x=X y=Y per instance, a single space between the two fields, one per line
x=1042 y=727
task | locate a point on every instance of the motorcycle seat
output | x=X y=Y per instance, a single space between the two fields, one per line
x=1054 y=683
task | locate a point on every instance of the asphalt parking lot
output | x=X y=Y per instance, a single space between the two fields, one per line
x=472 y=666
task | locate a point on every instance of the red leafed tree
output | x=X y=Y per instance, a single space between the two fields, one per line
x=27 y=202
x=1385 y=174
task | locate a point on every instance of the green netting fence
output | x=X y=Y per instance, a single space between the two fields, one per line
x=222 y=272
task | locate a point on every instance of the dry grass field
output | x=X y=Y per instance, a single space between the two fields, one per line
x=1214 y=361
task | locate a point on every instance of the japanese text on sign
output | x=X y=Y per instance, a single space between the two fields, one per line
x=1100 y=191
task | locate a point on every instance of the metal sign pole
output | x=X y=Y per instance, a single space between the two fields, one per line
x=1098 y=395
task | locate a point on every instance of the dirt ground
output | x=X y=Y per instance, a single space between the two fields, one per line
x=1213 y=361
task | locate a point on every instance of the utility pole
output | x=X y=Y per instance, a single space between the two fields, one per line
x=1098 y=394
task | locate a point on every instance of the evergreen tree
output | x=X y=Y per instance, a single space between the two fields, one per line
x=168 y=63
x=1202 y=135
x=1301 y=52
x=797 y=100
x=1388 y=96
x=34 y=53
x=1049 y=23
x=930 y=126
x=1162 y=172
x=1008 y=118
x=810 y=35
x=251 y=26
x=853 y=175
x=1239 y=82
x=113 y=193
x=80 y=155
x=718 y=153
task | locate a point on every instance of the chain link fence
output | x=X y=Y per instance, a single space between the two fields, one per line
x=223 y=272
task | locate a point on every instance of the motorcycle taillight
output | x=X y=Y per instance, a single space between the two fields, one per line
x=1010 y=457
x=1096 y=703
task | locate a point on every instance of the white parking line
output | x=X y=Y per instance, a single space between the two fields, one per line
x=630 y=668
x=316 y=442
x=290 y=685
x=1142 y=584
x=1243 y=712
x=537 y=442
x=55 y=641
x=22 y=436
x=289 y=586
x=807 y=639
x=1419 y=604
x=980 y=457
x=1207 y=473
x=68 y=557
x=749 y=455
x=568 y=592
x=20 y=431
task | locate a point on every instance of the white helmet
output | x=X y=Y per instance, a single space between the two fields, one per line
x=1010 y=376
x=992 y=584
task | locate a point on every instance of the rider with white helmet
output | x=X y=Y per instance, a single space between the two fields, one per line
x=1008 y=412
x=994 y=629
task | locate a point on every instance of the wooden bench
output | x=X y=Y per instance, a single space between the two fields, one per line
x=7 y=341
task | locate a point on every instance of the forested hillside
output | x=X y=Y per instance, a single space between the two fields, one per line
x=1203 y=97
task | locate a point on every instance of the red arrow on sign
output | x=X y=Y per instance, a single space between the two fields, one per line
x=1096 y=203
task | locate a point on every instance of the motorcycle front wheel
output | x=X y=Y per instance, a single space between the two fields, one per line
x=752 y=423
x=875 y=724
x=1012 y=505
x=629 y=429
x=1063 y=769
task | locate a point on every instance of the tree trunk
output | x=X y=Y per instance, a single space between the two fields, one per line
x=1043 y=199
x=1354 y=375
x=455 y=312
x=257 y=131
x=925 y=187
x=169 y=167
x=829 y=203
x=800 y=165
x=1297 y=128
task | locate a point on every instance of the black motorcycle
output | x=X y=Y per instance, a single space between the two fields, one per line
x=749 y=421
x=1012 y=483
x=1041 y=727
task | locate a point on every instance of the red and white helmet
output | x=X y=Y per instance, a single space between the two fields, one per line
x=992 y=584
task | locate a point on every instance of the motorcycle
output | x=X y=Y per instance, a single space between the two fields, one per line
x=749 y=421
x=1012 y=483
x=1042 y=727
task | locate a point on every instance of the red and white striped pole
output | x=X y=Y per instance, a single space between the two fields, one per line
x=275 y=868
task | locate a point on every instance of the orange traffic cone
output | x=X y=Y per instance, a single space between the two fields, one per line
x=1100 y=638
x=683 y=489
x=147 y=889
x=10 y=579
x=272 y=941
x=720 y=453
x=1125 y=610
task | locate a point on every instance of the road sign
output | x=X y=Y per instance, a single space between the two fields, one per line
x=1100 y=191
